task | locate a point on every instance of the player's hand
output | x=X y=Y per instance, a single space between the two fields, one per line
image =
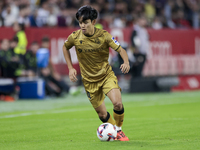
x=72 y=75
x=125 y=67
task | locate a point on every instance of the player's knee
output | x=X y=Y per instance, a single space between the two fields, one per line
x=118 y=105
x=102 y=115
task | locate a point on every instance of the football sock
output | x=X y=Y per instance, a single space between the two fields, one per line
x=108 y=119
x=118 y=128
x=119 y=117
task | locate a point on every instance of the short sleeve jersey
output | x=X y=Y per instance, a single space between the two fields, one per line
x=93 y=53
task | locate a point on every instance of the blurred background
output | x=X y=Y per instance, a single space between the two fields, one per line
x=161 y=37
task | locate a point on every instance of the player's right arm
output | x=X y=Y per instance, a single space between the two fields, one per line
x=67 y=45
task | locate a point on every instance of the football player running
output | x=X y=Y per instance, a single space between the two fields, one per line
x=92 y=48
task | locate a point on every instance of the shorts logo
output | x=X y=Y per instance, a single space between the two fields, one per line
x=115 y=41
x=88 y=94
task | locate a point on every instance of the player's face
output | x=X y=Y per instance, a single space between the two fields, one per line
x=87 y=26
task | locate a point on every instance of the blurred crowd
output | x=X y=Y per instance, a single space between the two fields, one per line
x=113 y=13
x=18 y=61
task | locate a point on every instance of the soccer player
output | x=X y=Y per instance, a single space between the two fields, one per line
x=92 y=48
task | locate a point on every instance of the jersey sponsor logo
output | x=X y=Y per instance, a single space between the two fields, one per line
x=115 y=41
x=89 y=50
x=79 y=50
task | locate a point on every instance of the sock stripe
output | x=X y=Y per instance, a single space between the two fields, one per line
x=105 y=120
x=119 y=112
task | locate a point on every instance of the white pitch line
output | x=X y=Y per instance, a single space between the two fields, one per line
x=86 y=109
x=47 y=112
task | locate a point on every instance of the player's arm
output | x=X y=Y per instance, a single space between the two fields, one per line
x=125 y=67
x=113 y=43
x=72 y=71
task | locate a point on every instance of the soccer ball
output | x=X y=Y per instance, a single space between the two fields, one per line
x=106 y=132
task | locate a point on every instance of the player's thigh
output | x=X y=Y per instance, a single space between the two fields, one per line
x=115 y=97
x=113 y=91
x=110 y=82
x=95 y=93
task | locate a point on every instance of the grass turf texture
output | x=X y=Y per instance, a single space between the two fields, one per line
x=164 y=121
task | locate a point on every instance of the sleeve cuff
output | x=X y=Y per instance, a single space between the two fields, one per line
x=118 y=48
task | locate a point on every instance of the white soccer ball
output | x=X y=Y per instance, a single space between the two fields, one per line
x=106 y=132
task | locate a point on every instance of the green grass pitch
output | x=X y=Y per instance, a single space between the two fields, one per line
x=160 y=121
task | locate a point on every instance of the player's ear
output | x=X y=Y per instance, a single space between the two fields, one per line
x=94 y=22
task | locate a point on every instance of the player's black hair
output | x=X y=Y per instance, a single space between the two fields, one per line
x=87 y=12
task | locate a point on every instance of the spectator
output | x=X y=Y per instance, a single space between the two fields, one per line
x=107 y=21
x=119 y=22
x=54 y=7
x=159 y=5
x=138 y=9
x=121 y=8
x=54 y=86
x=32 y=19
x=42 y=14
x=157 y=24
x=192 y=8
x=180 y=21
x=62 y=4
x=17 y=58
x=86 y=2
x=1 y=18
x=14 y=5
x=8 y=16
x=21 y=35
x=150 y=10
x=30 y=60
x=59 y=12
x=3 y=58
x=52 y=18
x=75 y=4
x=168 y=13
x=10 y=62
x=24 y=12
x=140 y=44
x=62 y=18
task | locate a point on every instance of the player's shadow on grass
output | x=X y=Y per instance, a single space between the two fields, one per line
x=131 y=143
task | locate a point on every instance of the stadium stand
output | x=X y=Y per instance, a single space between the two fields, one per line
x=173 y=26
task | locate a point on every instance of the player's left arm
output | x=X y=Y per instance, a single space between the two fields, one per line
x=125 y=67
x=114 y=44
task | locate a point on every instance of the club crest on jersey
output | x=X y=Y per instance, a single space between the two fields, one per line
x=115 y=41
x=81 y=41
x=97 y=41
